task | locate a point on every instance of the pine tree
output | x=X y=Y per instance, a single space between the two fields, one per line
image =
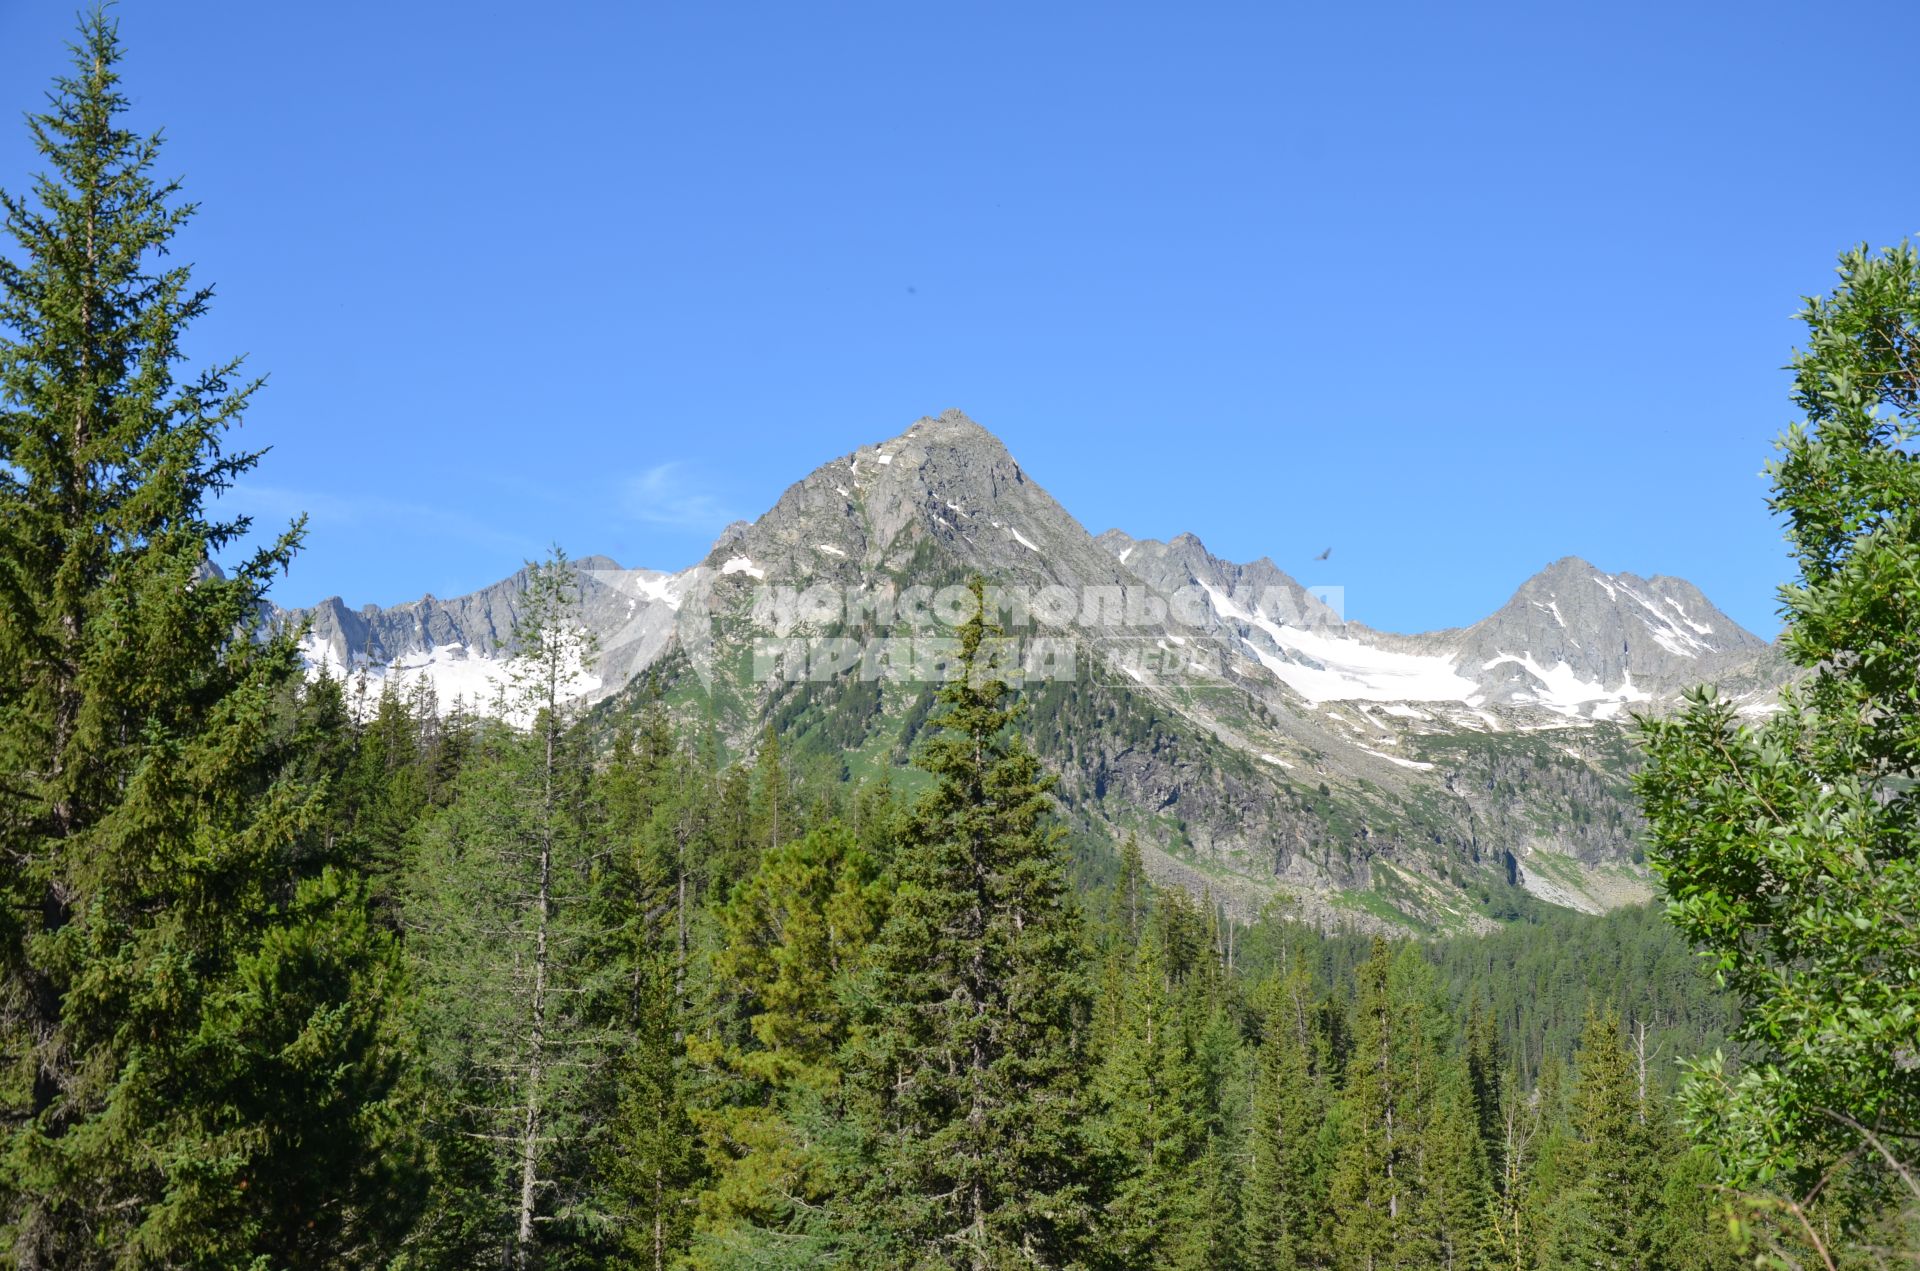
x=194 y=1064
x=971 y=1071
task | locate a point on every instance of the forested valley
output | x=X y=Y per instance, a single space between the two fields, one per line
x=301 y=971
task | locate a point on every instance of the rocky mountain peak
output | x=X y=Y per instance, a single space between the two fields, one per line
x=945 y=482
x=1236 y=714
x=1649 y=636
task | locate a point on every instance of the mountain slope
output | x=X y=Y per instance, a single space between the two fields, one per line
x=1261 y=747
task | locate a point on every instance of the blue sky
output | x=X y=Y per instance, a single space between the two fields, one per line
x=1454 y=289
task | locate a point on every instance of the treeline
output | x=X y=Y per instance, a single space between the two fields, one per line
x=658 y=1010
x=299 y=974
x=1537 y=977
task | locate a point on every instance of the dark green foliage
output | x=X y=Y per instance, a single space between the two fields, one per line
x=499 y=905
x=1610 y=1210
x=795 y=939
x=315 y=976
x=1393 y=1203
x=1535 y=980
x=195 y=1068
x=971 y=1076
x=1286 y=1205
x=1150 y=1130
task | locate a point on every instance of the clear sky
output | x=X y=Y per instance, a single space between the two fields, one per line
x=1454 y=289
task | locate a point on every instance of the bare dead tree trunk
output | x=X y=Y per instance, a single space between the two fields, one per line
x=537 y=1038
x=1640 y=1065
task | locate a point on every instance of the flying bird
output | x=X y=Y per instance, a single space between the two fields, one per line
x=1325 y=554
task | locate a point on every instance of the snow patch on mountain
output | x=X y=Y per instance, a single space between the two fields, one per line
x=666 y=589
x=1562 y=691
x=1325 y=668
x=457 y=675
x=1414 y=764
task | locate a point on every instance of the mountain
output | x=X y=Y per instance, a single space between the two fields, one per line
x=1262 y=748
x=461 y=646
x=1573 y=641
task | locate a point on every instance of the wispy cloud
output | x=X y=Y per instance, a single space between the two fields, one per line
x=666 y=494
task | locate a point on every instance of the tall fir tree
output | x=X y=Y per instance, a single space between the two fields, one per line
x=644 y=1166
x=1611 y=1213
x=1119 y=935
x=1150 y=1131
x=1286 y=1209
x=1456 y=1214
x=971 y=1072
x=1379 y=1185
x=194 y=1069
x=500 y=908
x=1368 y=1185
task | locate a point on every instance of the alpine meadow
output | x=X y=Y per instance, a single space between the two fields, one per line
x=918 y=880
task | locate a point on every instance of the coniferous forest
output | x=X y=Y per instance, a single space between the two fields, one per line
x=298 y=971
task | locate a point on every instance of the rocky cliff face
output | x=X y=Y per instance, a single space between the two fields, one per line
x=1260 y=747
x=461 y=646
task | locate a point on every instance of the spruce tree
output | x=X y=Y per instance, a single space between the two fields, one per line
x=1380 y=1186
x=1514 y=1236
x=194 y=1067
x=1214 y=1020
x=971 y=1072
x=1455 y=1215
x=1695 y=1232
x=1485 y=1081
x=644 y=1163
x=1128 y=901
x=1119 y=935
